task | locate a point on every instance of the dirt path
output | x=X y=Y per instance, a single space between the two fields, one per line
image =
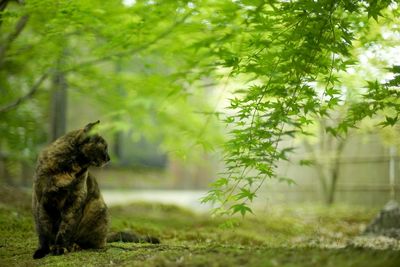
x=187 y=199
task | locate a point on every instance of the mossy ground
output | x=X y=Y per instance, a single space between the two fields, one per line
x=282 y=236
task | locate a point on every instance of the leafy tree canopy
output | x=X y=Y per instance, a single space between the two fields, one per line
x=152 y=66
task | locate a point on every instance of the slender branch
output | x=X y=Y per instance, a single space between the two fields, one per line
x=292 y=99
x=3 y=4
x=132 y=51
x=12 y=36
x=29 y=95
x=335 y=170
x=21 y=24
x=244 y=170
x=329 y=81
x=318 y=166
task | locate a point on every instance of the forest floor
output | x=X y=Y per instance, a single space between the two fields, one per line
x=283 y=236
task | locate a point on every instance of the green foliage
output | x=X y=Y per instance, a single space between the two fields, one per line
x=287 y=49
x=135 y=64
x=148 y=68
x=379 y=97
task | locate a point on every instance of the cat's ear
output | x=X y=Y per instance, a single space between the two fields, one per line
x=83 y=135
x=89 y=126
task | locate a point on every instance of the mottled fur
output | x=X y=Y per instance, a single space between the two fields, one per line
x=68 y=208
x=69 y=211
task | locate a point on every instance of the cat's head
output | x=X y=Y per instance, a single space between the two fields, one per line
x=93 y=147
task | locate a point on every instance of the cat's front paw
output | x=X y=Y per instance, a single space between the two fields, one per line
x=58 y=250
x=40 y=253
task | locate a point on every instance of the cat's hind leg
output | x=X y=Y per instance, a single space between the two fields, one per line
x=93 y=228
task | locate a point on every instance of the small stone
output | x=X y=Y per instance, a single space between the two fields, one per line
x=387 y=222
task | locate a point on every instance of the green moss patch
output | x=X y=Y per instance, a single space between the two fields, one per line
x=282 y=236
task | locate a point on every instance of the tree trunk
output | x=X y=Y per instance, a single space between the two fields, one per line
x=319 y=167
x=26 y=174
x=117 y=147
x=332 y=189
x=58 y=112
x=5 y=172
x=335 y=172
x=118 y=136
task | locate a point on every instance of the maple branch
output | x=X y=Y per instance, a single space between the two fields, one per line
x=132 y=51
x=29 y=95
x=12 y=36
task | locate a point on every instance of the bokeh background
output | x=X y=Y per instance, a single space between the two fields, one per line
x=172 y=82
x=150 y=78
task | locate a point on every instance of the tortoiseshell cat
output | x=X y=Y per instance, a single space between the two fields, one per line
x=68 y=208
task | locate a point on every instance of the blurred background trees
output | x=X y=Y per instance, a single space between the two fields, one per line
x=180 y=85
x=130 y=65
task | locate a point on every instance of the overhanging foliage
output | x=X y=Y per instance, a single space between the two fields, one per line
x=149 y=67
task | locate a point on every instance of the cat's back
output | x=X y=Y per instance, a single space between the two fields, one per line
x=57 y=157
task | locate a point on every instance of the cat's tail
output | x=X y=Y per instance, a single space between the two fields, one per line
x=131 y=237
